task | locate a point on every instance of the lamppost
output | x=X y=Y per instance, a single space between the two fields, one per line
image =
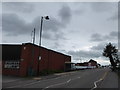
x=47 y=18
x=39 y=58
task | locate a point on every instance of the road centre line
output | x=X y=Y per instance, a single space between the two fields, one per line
x=95 y=83
x=68 y=80
x=57 y=84
x=60 y=83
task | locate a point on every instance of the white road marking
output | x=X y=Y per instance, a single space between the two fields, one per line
x=68 y=80
x=60 y=83
x=40 y=81
x=95 y=83
x=57 y=84
x=35 y=82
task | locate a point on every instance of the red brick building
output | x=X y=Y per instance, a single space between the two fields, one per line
x=23 y=60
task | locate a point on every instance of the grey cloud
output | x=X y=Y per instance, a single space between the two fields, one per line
x=14 y=25
x=60 y=35
x=57 y=35
x=53 y=25
x=65 y=14
x=78 y=11
x=56 y=45
x=94 y=52
x=51 y=28
x=98 y=47
x=113 y=34
x=101 y=46
x=80 y=7
x=46 y=35
x=0 y=20
x=84 y=54
x=94 y=6
x=18 y=7
x=116 y=14
x=102 y=6
x=114 y=17
x=98 y=37
x=119 y=39
x=111 y=7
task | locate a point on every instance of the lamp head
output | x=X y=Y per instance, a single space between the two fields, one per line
x=47 y=17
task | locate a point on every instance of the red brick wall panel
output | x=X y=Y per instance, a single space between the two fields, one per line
x=50 y=60
x=5 y=71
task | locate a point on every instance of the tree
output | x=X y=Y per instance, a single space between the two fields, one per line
x=110 y=51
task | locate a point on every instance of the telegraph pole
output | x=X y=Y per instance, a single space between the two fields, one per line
x=34 y=36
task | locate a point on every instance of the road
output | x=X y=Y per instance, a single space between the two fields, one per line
x=90 y=78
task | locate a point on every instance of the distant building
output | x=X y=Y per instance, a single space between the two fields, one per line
x=24 y=60
x=92 y=64
x=85 y=65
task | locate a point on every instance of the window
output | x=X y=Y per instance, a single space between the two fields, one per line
x=12 y=64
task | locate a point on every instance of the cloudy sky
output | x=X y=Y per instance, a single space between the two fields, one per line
x=79 y=29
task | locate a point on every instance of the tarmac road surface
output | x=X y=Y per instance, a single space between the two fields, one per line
x=90 y=78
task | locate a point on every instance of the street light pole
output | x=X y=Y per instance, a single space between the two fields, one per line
x=39 y=58
x=41 y=30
